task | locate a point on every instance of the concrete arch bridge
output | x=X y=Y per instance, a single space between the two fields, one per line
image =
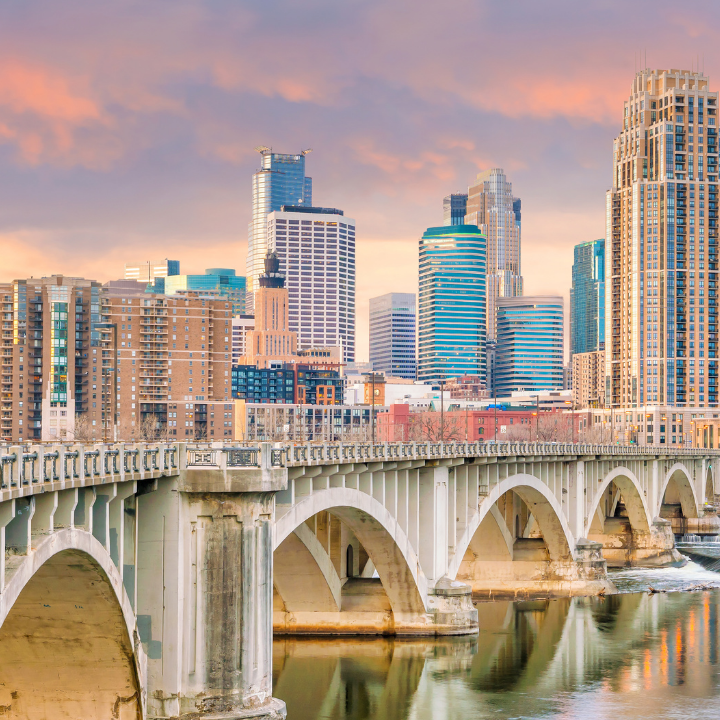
x=144 y=580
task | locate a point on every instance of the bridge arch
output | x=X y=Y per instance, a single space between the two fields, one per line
x=544 y=507
x=678 y=480
x=66 y=629
x=380 y=534
x=633 y=496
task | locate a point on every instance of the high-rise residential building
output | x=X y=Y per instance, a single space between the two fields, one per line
x=392 y=334
x=280 y=181
x=86 y=362
x=529 y=354
x=150 y=270
x=587 y=298
x=492 y=207
x=588 y=379
x=451 y=303
x=661 y=243
x=455 y=209
x=316 y=248
x=51 y=358
x=271 y=343
x=216 y=282
x=241 y=326
x=172 y=377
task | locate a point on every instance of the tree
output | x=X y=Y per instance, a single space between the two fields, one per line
x=151 y=429
x=434 y=427
x=83 y=430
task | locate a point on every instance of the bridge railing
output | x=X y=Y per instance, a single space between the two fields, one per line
x=33 y=467
x=327 y=453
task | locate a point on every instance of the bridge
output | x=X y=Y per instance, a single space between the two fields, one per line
x=146 y=580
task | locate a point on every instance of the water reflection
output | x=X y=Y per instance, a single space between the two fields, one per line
x=624 y=656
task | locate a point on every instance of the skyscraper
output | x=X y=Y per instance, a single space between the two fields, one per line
x=587 y=298
x=316 y=249
x=661 y=245
x=492 y=207
x=392 y=334
x=529 y=354
x=452 y=303
x=280 y=181
x=454 y=209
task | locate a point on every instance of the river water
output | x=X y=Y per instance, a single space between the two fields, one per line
x=629 y=656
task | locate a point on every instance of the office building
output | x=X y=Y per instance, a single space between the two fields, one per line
x=452 y=303
x=280 y=181
x=271 y=343
x=316 y=249
x=455 y=209
x=51 y=358
x=529 y=355
x=661 y=245
x=215 y=283
x=587 y=298
x=241 y=326
x=150 y=270
x=588 y=379
x=492 y=207
x=392 y=335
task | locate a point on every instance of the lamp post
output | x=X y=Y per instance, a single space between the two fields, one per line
x=537 y=418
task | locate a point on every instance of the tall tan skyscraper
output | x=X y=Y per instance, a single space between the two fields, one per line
x=661 y=245
x=492 y=207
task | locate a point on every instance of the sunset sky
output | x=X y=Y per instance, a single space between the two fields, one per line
x=127 y=128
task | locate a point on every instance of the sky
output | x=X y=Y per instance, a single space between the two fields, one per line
x=127 y=129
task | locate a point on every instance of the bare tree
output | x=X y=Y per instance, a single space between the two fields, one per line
x=151 y=429
x=435 y=426
x=83 y=431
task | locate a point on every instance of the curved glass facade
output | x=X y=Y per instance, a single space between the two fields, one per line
x=452 y=317
x=529 y=353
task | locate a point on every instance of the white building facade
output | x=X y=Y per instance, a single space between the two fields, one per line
x=316 y=249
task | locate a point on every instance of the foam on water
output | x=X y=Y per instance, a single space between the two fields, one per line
x=666 y=579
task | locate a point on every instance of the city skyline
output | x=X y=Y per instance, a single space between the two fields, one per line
x=120 y=155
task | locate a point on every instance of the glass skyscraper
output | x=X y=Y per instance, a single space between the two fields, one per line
x=392 y=335
x=587 y=298
x=452 y=303
x=454 y=209
x=529 y=354
x=280 y=181
x=216 y=282
x=492 y=207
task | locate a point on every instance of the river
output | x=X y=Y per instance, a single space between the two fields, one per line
x=629 y=656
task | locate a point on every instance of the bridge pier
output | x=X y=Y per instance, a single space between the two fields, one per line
x=208 y=625
x=623 y=546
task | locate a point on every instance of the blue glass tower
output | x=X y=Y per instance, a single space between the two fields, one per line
x=529 y=354
x=280 y=181
x=216 y=282
x=452 y=303
x=587 y=298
